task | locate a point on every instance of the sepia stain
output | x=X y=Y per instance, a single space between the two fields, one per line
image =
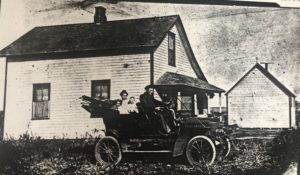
x=225 y=40
x=71 y=4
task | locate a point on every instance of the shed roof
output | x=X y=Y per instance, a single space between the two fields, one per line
x=269 y=76
x=174 y=79
x=120 y=34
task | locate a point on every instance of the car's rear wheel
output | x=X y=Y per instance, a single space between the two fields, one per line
x=200 y=150
x=108 y=152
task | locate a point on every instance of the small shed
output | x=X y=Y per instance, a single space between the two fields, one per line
x=259 y=100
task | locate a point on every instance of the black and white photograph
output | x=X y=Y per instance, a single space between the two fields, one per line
x=149 y=87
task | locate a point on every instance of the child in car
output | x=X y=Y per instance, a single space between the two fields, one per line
x=132 y=108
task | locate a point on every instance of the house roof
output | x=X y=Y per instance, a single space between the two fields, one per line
x=133 y=33
x=174 y=79
x=117 y=37
x=269 y=76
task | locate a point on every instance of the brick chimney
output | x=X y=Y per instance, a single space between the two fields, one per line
x=100 y=15
x=266 y=65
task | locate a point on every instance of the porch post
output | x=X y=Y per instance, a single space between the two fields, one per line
x=178 y=101
x=208 y=110
x=196 y=112
x=220 y=102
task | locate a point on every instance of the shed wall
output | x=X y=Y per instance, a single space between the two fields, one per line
x=257 y=103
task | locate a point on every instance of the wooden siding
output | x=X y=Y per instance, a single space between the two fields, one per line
x=183 y=65
x=2 y=80
x=69 y=78
x=293 y=112
x=257 y=103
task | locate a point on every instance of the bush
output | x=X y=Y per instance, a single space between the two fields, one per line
x=286 y=147
x=29 y=155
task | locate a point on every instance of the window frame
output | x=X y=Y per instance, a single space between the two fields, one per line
x=34 y=87
x=192 y=104
x=172 y=58
x=94 y=82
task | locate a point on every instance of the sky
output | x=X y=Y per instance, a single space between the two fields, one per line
x=226 y=40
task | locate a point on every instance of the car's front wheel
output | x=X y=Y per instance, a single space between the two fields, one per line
x=200 y=150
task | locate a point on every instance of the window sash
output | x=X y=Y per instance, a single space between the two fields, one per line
x=171 y=42
x=171 y=49
x=101 y=88
x=41 y=92
x=41 y=110
x=41 y=101
x=187 y=103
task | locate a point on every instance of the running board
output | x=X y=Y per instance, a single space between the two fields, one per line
x=140 y=151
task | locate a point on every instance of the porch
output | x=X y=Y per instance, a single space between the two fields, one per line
x=189 y=95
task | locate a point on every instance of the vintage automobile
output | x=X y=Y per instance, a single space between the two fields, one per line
x=200 y=140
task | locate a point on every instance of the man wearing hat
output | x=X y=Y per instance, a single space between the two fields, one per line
x=151 y=107
x=148 y=102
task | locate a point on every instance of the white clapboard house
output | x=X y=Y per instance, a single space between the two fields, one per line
x=50 y=67
x=259 y=100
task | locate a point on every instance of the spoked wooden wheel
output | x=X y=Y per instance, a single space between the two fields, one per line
x=107 y=151
x=200 y=150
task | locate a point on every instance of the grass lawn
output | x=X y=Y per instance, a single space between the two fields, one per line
x=248 y=156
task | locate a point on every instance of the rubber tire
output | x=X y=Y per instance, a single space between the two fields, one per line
x=98 y=156
x=229 y=147
x=188 y=147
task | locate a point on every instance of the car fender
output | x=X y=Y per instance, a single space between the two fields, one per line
x=180 y=144
x=113 y=133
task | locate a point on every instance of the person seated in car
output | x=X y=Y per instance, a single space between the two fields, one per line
x=147 y=100
x=116 y=105
x=169 y=113
x=124 y=96
x=132 y=108
x=124 y=102
x=152 y=108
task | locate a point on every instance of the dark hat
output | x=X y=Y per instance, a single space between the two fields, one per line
x=149 y=86
x=123 y=92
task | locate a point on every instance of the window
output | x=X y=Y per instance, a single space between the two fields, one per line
x=202 y=102
x=171 y=49
x=41 y=101
x=187 y=103
x=101 y=89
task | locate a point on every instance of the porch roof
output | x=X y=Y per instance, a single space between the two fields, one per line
x=174 y=79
